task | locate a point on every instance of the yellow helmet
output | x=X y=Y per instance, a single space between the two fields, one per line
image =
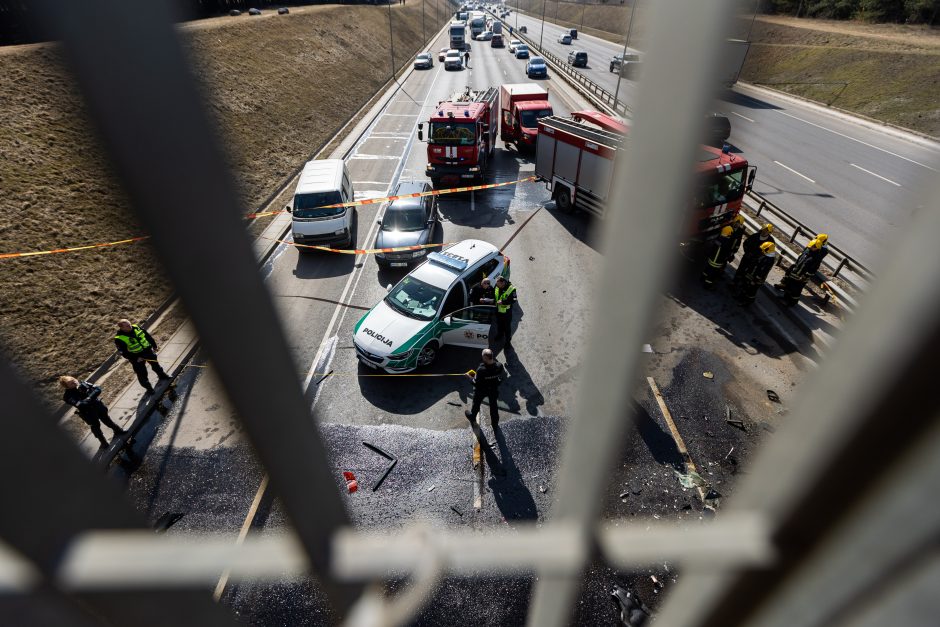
x=768 y=248
x=768 y=228
x=738 y=219
x=822 y=238
x=727 y=231
x=814 y=244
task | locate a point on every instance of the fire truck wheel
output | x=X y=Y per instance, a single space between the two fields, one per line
x=563 y=199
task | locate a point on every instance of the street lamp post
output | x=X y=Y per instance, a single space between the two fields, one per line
x=625 y=43
x=756 y=9
x=391 y=38
x=542 y=33
x=584 y=6
x=424 y=35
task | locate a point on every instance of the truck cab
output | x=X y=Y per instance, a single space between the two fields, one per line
x=523 y=105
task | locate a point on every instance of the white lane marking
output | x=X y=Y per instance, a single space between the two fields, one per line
x=382 y=184
x=893 y=154
x=742 y=116
x=364 y=156
x=339 y=313
x=400 y=115
x=794 y=171
x=875 y=175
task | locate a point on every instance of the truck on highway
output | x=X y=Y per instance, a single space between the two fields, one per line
x=463 y=16
x=575 y=158
x=734 y=54
x=522 y=106
x=461 y=136
x=458 y=36
x=477 y=24
x=497 y=27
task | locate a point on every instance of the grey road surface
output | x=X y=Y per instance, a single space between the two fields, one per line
x=858 y=182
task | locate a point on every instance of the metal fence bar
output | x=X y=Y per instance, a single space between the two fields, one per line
x=137 y=83
x=860 y=417
x=680 y=78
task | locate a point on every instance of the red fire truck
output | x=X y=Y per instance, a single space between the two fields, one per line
x=522 y=105
x=461 y=136
x=575 y=157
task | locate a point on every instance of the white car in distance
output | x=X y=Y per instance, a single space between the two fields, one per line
x=453 y=60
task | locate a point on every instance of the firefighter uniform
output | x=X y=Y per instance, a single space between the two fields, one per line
x=138 y=347
x=752 y=274
x=505 y=294
x=805 y=266
x=83 y=396
x=486 y=385
x=754 y=241
x=737 y=236
x=717 y=253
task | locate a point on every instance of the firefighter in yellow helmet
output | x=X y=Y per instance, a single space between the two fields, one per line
x=753 y=242
x=737 y=235
x=803 y=269
x=751 y=275
x=717 y=253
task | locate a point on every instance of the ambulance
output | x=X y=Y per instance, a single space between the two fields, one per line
x=428 y=309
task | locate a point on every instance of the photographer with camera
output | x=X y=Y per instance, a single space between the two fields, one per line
x=83 y=396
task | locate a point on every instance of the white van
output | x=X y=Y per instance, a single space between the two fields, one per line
x=324 y=182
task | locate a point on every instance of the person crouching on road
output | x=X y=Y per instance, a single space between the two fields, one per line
x=83 y=396
x=804 y=268
x=505 y=294
x=138 y=347
x=754 y=273
x=717 y=253
x=486 y=380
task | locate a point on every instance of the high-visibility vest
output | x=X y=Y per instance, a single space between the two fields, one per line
x=504 y=308
x=136 y=343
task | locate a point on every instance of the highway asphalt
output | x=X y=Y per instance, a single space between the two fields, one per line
x=854 y=179
x=196 y=462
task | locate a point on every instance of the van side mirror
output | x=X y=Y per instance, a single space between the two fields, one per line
x=287 y=208
x=750 y=179
x=420 y=135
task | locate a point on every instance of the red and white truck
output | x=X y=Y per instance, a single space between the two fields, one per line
x=523 y=105
x=575 y=158
x=461 y=136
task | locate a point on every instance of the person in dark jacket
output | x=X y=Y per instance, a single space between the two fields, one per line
x=737 y=236
x=717 y=253
x=505 y=294
x=84 y=397
x=138 y=347
x=803 y=269
x=753 y=242
x=751 y=275
x=486 y=379
x=482 y=293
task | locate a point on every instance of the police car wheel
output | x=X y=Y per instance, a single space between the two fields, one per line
x=428 y=354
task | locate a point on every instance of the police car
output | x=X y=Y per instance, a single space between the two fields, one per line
x=428 y=309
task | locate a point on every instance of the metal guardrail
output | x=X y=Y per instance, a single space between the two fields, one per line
x=853 y=276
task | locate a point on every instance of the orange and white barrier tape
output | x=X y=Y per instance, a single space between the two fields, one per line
x=73 y=249
x=435 y=192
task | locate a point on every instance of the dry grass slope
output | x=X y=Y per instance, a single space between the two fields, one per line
x=276 y=88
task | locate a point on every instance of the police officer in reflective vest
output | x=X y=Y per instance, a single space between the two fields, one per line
x=805 y=267
x=138 y=347
x=717 y=253
x=84 y=397
x=505 y=297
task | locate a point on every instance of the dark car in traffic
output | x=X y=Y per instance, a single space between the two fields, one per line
x=407 y=222
x=578 y=58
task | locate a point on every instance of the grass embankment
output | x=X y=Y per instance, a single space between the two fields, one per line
x=889 y=72
x=277 y=87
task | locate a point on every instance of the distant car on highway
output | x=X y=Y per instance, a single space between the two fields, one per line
x=565 y=39
x=428 y=309
x=536 y=68
x=485 y=36
x=407 y=222
x=578 y=58
x=497 y=42
x=522 y=51
x=234 y=12
x=254 y=11
x=283 y=11
x=453 y=60
x=523 y=29
x=627 y=64
x=441 y=54
x=512 y=45
x=424 y=61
